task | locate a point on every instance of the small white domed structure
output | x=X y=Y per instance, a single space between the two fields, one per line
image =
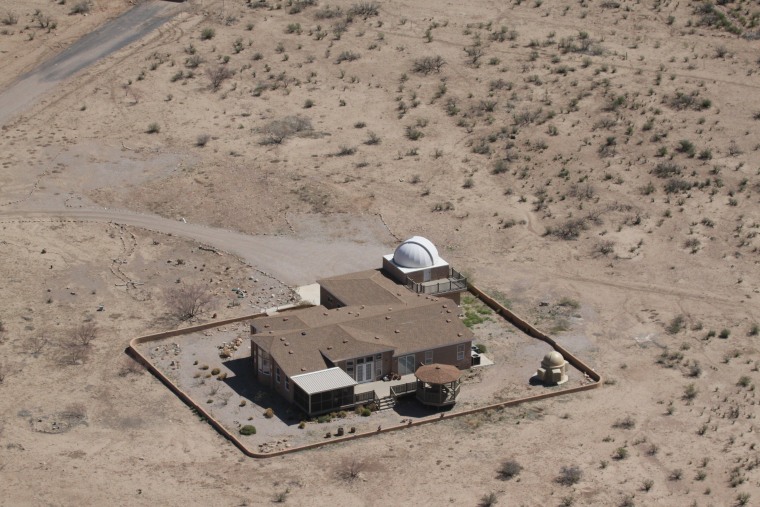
x=553 y=370
x=416 y=253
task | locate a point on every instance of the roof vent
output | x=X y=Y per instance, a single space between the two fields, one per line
x=284 y=319
x=329 y=347
x=459 y=334
x=448 y=320
x=303 y=369
x=377 y=337
x=387 y=317
x=282 y=338
x=266 y=325
x=345 y=340
x=303 y=333
x=362 y=307
x=397 y=331
x=290 y=352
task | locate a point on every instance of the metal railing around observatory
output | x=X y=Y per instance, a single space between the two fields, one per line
x=454 y=283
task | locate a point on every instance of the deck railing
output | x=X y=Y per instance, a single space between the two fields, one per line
x=364 y=397
x=455 y=282
x=403 y=389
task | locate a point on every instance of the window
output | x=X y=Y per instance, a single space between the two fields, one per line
x=378 y=365
x=428 y=357
x=460 y=352
x=263 y=359
x=287 y=384
x=277 y=374
x=350 y=368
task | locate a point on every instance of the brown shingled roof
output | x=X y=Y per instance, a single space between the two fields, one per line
x=438 y=373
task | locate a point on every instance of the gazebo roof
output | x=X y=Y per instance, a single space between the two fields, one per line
x=438 y=373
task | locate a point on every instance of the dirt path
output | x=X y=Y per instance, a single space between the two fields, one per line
x=292 y=260
x=111 y=37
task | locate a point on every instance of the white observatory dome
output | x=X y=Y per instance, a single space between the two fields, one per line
x=416 y=252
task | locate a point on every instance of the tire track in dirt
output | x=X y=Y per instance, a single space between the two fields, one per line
x=649 y=289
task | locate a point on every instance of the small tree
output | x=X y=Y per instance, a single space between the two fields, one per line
x=187 y=301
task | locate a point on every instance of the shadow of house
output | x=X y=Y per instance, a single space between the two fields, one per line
x=242 y=380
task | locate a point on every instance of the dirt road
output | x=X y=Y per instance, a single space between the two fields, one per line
x=293 y=260
x=131 y=26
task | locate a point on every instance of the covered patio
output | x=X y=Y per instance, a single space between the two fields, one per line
x=323 y=391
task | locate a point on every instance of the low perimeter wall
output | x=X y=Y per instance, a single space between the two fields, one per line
x=492 y=303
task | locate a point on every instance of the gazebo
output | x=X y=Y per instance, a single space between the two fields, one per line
x=437 y=384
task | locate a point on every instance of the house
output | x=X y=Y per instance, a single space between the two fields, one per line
x=370 y=325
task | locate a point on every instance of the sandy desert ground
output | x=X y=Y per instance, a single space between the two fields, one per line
x=604 y=152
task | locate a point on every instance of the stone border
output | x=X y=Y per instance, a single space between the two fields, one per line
x=500 y=309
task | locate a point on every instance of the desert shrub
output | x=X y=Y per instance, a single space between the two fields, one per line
x=625 y=423
x=754 y=330
x=278 y=130
x=482 y=349
x=344 y=151
x=364 y=9
x=509 y=469
x=328 y=12
x=217 y=76
x=372 y=139
x=677 y=185
x=365 y=412
x=675 y=475
x=326 y=418
x=9 y=18
x=347 y=56
x=620 y=453
x=675 y=325
x=428 y=64
x=193 y=61
x=248 y=429
x=569 y=475
x=499 y=167
x=202 y=140
x=187 y=301
x=687 y=147
x=666 y=170
x=80 y=8
x=690 y=392
x=215 y=371
x=301 y=425
x=208 y=33
x=570 y=229
x=153 y=128
x=488 y=500
x=413 y=133
x=269 y=413
x=724 y=333
x=744 y=381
